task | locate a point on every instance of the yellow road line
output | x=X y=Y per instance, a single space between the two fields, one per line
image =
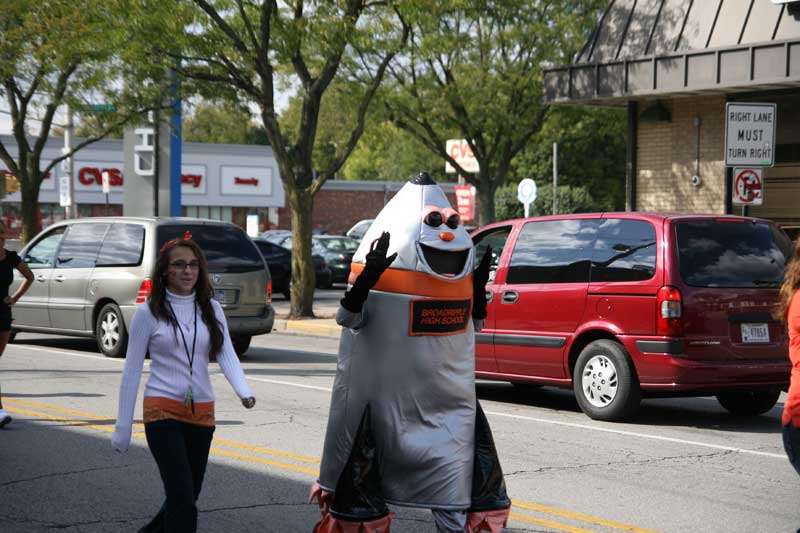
x=581 y=517
x=549 y=523
x=223 y=442
x=109 y=428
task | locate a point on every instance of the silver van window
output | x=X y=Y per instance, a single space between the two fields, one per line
x=81 y=245
x=42 y=254
x=123 y=246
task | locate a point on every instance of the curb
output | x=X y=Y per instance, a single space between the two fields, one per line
x=316 y=328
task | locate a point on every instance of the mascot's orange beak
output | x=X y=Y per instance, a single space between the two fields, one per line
x=446 y=236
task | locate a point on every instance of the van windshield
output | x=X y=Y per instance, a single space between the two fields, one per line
x=713 y=253
x=227 y=248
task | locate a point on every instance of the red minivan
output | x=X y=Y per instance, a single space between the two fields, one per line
x=624 y=305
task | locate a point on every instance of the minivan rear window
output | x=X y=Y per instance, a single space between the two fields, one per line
x=227 y=248
x=714 y=253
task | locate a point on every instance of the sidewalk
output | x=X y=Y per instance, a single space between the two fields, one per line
x=326 y=302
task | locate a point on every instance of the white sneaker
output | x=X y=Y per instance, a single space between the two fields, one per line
x=5 y=418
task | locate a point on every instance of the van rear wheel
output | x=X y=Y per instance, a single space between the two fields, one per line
x=241 y=343
x=749 y=402
x=110 y=332
x=605 y=382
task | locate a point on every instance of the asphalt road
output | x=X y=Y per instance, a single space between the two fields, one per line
x=681 y=466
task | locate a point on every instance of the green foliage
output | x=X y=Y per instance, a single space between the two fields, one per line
x=591 y=152
x=473 y=71
x=571 y=199
x=222 y=123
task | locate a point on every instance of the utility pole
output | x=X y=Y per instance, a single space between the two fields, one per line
x=71 y=210
x=555 y=178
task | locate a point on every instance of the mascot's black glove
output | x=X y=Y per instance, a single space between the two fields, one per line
x=479 y=278
x=376 y=263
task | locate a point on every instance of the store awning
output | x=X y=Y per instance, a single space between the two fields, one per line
x=647 y=48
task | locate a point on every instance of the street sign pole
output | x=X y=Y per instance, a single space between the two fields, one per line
x=71 y=209
x=106 y=187
x=555 y=178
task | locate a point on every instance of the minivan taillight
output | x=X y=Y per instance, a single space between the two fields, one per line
x=669 y=313
x=144 y=291
x=269 y=291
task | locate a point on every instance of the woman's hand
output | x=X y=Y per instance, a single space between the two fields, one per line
x=249 y=402
x=8 y=300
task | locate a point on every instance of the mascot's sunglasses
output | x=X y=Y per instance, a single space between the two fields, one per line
x=436 y=219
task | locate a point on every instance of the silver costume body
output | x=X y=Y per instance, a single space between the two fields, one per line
x=421 y=391
x=420 y=384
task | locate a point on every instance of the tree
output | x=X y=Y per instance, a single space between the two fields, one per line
x=472 y=71
x=384 y=152
x=571 y=199
x=58 y=52
x=244 y=50
x=222 y=122
x=591 y=153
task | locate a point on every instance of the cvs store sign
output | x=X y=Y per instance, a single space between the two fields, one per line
x=89 y=176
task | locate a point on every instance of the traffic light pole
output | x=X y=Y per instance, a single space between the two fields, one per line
x=71 y=210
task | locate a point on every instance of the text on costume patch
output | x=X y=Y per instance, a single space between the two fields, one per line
x=431 y=316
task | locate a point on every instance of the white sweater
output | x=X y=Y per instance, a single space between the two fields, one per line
x=169 y=364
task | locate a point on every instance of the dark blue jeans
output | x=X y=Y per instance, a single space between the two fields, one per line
x=181 y=453
x=791 y=443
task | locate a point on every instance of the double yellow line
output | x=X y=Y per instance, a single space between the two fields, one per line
x=277 y=459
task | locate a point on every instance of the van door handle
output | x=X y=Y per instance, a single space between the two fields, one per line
x=59 y=278
x=489 y=297
x=510 y=297
x=41 y=278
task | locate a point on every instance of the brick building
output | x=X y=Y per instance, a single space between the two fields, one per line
x=674 y=64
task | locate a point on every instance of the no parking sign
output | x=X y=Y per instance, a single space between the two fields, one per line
x=748 y=188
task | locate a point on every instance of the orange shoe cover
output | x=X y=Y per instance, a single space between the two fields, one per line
x=329 y=524
x=492 y=521
x=323 y=497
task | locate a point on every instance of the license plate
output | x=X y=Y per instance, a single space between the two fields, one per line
x=225 y=296
x=755 y=332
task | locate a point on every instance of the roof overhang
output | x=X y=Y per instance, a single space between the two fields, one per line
x=765 y=66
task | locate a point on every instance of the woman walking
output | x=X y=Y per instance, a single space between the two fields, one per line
x=789 y=311
x=182 y=327
x=8 y=262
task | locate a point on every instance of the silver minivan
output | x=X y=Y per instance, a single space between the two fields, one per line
x=90 y=273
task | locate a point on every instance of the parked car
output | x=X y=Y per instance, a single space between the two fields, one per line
x=359 y=229
x=279 y=260
x=621 y=305
x=275 y=235
x=91 y=273
x=336 y=249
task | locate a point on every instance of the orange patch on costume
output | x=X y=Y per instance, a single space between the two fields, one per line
x=417 y=283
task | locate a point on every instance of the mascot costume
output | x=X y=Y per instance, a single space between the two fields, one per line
x=405 y=426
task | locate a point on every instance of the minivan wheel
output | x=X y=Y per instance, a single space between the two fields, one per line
x=112 y=338
x=605 y=381
x=241 y=343
x=749 y=402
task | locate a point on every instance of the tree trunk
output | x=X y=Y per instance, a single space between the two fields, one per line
x=29 y=188
x=303 y=277
x=486 y=191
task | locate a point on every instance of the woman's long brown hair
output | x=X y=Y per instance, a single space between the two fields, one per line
x=202 y=290
x=791 y=283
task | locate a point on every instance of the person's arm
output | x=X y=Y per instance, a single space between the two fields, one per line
x=23 y=269
x=229 y=361
x=793 y=323
x=142 y=327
